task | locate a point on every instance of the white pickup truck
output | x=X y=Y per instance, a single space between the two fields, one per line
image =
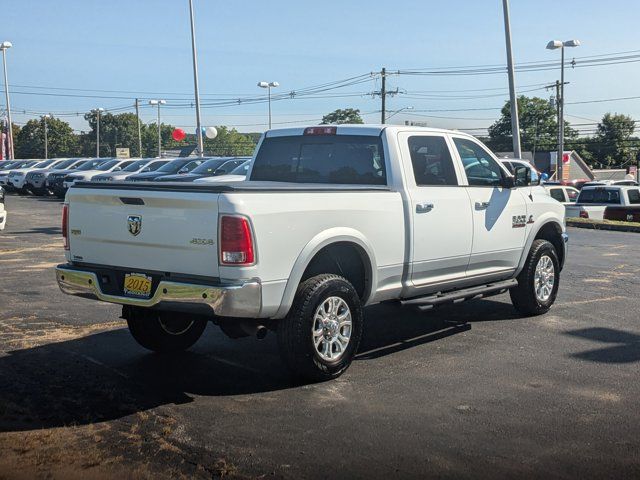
x=331 y=219
x=594 y=199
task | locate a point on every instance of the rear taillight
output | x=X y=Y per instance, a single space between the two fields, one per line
x=65 y=226
x=236 y=241
x=584 y=214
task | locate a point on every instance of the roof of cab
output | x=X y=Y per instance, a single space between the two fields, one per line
x=354 y=129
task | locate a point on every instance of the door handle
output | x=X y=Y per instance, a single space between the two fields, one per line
x=482 y=205
x=424 y=207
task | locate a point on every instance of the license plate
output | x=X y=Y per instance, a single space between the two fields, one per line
x=137 y=285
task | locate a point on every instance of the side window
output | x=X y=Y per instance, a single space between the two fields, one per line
x=634 y=197
x=572 y=194
x=481 y=169
x=556 y=194
x=431 y=161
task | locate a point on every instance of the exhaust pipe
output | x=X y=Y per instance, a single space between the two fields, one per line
x=261 y=332
x=252 y=328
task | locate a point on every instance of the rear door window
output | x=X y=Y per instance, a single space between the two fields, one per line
x=572 y=193
x=339 y=159
x=431 y=161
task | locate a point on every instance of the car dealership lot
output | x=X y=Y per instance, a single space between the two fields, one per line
x=449 y=392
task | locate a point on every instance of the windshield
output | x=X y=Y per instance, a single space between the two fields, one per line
x=64 y=164
x=339 y=159
x=107 y=165
x=173 y=167
x=135 y=166
x=91 y=164
x=242 y=169
x=210 y=166
x=46 y=163
x=152 y=167
x=77 y=165
x=600 y=195
x=8 y=165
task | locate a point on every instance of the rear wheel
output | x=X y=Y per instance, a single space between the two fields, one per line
x=163 y=331
x=538 y=282
x=321 y=334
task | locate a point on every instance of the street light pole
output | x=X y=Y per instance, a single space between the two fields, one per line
x=4 y=46
x=515 y=122
x=46 y=140
x=195 y=82
x=158 y=103
x=554 y=45
x=97 y=112
x=398 y=111
x=268 y=86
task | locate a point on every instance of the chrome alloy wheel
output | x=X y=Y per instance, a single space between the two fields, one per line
x=332 y=328
x=544 y=278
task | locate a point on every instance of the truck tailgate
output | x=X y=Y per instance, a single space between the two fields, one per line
x=144 y=230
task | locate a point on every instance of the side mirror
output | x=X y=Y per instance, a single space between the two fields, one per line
x=522 y=176
x=508 y=182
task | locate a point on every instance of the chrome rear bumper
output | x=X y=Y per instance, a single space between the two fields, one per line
x=237 y=300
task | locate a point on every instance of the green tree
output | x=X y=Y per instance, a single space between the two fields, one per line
x=62 y=142
x=538 y=126
x=341 y=116
x=229 y=143
x=613 y=145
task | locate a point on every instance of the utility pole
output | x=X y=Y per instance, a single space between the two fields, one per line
x=194 y=53
x=558 y=117
x=383 y=93
x=46 y=140
x=515 y=123
x=139 y=128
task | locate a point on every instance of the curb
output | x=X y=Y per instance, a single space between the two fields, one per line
x=604 y=226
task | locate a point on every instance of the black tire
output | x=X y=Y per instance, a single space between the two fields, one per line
x=524 y=297
x=295 y=336
x=163 y=332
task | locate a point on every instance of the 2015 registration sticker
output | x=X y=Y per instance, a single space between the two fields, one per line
x=137 y=285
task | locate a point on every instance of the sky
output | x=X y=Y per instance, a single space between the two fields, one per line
x=69 y=56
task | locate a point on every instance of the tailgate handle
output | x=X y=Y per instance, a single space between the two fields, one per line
x=131 y=201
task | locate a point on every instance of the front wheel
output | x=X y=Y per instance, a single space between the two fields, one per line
x=539 y=280
x=321 y=334
x=163 y=332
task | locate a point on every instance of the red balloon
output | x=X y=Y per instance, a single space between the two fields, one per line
x=178 y=135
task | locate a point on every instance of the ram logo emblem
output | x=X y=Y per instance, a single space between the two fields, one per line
x=134 y=224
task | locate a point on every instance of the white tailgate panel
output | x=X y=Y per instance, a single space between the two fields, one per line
x=170 y=223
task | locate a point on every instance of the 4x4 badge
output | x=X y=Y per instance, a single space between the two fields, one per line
x=134 y=224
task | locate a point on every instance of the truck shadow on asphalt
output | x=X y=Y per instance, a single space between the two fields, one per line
x=622 y=347
x=106 y=376
x=57 y=231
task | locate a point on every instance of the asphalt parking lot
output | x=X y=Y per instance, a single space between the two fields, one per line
x=469 y=390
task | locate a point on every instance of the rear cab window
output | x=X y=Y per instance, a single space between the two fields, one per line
x=609 y=196
x=338 y=159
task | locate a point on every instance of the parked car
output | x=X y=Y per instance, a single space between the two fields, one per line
x=139 y=166
x=5 y=168
x=177 y=165
x=211 y=167
x=110 y=165
x=332 y=218
x=55 y=181
x=238 y=174
x=17 y=177
x=563 y=194
x=3 y=211
x=593 y=200
x=36 y=180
